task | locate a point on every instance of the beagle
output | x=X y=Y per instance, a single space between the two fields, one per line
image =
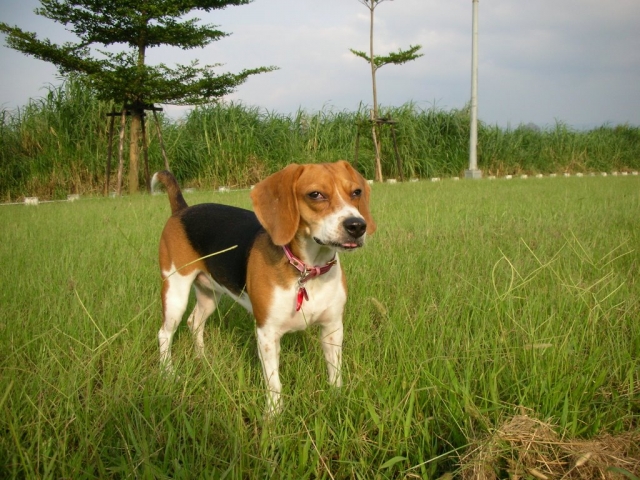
x=280 y=263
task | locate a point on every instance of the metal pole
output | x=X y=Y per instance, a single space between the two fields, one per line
x=473 y=171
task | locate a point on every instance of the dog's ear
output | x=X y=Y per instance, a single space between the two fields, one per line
x=363 y=205
x=274 y=201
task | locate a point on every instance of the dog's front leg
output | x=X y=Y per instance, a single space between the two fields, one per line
x=331 y=338
x=269 y=350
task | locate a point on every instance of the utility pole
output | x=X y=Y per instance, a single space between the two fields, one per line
x=473 y=171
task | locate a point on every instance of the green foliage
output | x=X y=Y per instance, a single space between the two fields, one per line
x=395 y=58
x=124 y=76
x=58 y=144
x=473 y=302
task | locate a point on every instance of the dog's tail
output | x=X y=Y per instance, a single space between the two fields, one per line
x=173 y=189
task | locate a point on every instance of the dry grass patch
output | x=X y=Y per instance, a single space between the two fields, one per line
x=526 y=448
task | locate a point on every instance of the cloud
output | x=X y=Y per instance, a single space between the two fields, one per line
x=576 y=60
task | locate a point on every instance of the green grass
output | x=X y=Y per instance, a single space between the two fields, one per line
x=473 y=300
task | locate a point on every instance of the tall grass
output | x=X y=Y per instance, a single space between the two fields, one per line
x=58 y=144
x=473 y=302
x=55 y=145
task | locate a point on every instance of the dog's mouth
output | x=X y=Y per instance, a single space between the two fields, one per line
x=343 y=246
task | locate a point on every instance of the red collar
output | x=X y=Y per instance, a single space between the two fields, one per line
x=306 y=273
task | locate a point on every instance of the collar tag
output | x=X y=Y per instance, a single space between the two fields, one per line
x=306 y=273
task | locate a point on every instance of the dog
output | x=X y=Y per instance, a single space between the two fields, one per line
x=280 y=263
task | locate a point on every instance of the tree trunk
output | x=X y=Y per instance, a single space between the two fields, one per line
x=375 y=134
x=134 y=151
x=373 y=64
x=137 y=113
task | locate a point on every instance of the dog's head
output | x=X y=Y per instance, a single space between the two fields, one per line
x=327 y=202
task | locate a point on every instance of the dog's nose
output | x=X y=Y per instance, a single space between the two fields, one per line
x=355 y=226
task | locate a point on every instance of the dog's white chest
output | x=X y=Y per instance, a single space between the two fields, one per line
x=326 y=299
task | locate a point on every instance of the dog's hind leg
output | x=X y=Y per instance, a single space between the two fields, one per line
x=207 y=301
x=175 y=295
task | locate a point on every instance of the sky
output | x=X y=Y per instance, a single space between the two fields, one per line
x=542 y=61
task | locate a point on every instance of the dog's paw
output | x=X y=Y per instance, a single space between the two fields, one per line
x=273 y=408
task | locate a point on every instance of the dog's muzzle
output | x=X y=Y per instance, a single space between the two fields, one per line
x=354 y=229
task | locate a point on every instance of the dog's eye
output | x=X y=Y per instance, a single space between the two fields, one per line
x=315 y=196
x=356 y=193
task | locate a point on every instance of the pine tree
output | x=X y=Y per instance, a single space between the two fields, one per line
x=376 y=62
x=133 y=26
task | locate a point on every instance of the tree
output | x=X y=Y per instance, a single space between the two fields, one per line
x=376 y=62
x=133 y=26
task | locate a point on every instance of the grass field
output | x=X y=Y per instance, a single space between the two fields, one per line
x=475 y=302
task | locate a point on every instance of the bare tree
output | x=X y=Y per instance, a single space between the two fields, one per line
x=396 y=58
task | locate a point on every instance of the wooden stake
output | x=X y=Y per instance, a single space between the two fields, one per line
x=355 y=160
x=123 y=124
x=145 y=152
x=378 y=164
x=112 y=122
x=395 y=147
x=164 y=152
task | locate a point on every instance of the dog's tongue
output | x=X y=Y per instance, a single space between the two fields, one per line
x=349 y=245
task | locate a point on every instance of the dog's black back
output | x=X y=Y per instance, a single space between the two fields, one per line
x=236 y=226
